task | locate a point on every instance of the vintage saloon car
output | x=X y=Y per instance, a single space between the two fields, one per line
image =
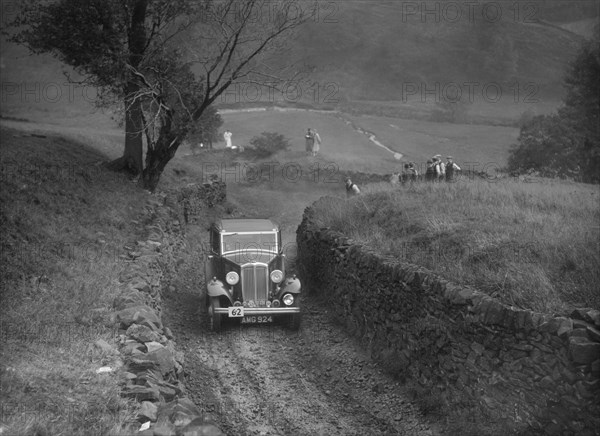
x=245 y=274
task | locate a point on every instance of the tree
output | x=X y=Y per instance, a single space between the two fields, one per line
x=206 y=130
x=165 y=61
x=582 y=107
x=567 y=144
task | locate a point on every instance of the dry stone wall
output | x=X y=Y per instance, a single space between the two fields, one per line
x=153 y=372
x=529 y=371
x=197 y=196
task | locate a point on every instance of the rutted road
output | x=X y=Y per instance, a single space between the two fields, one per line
x=268 y=380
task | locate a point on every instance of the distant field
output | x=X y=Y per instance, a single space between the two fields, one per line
x=417 y=140
x=340 y=143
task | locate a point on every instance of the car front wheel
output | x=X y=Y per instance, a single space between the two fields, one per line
x=214 y=319
x=296 y=318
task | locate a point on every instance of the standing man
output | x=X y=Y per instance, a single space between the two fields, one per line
x=310 y=140
x=430 y=171
x=450 y=168
x=351 y=188
x=411 y=172
x=227 y=136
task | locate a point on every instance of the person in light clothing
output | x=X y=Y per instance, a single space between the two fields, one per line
x=440 y=167
x=227 y=136
x=316 y=143
x=351 y=188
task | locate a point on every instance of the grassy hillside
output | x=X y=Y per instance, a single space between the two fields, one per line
x=34 y=87
x=371 y=48
x=532 y=245
x=64 y=221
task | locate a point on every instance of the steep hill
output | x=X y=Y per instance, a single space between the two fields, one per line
x=370 y=49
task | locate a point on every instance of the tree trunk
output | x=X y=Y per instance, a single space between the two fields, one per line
x=132 y=159
x=134 y=128
x=157 y=159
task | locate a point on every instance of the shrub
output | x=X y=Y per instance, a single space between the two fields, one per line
x=268 y=143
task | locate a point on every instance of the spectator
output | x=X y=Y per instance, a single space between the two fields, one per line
x=227 y=136
x=430 y=171
x=451 y=167
x=440 y=167
x=411 y=171
x=316 y=143
x=310 y=140
x=351 y=188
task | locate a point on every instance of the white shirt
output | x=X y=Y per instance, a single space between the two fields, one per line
x=227 y=136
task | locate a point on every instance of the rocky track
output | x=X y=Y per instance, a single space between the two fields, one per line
x=268 y=380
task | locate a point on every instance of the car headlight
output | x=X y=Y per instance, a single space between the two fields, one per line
x=288 y=299
x=276 y=276
x=232 y=277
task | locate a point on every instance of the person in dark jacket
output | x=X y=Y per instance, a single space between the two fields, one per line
x=430 y=171
x=411 y=173
x=310 y=140
x=451 y=168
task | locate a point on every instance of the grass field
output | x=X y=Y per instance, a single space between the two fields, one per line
x=419 y=140
x=351 y=150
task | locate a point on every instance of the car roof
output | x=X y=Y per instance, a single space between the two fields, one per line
x=246 y=225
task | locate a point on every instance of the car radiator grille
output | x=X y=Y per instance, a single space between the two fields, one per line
x=255 y=284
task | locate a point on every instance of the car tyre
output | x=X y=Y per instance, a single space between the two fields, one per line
x=214 y=319
x=295 y=320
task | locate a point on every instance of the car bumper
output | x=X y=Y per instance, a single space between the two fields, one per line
x=261 y=311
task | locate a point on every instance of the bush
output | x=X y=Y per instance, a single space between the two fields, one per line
x=566 y=144
x=548 y=145
x=268 y=143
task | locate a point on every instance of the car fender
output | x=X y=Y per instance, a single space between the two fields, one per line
x=216 y=288
x=290 y=286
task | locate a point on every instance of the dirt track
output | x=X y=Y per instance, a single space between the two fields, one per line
x=268 y=380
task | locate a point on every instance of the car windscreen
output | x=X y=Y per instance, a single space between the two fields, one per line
x=250 y=241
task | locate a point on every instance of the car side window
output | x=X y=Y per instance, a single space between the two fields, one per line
x=279 y=244
x=215 y=242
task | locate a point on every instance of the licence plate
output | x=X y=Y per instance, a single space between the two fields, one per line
x=259 y=319
x=236 y=311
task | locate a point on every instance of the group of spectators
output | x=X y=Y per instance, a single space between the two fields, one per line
x=438 y=170
x=435 y=170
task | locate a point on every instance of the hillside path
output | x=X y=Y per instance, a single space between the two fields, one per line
x=268 y=380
